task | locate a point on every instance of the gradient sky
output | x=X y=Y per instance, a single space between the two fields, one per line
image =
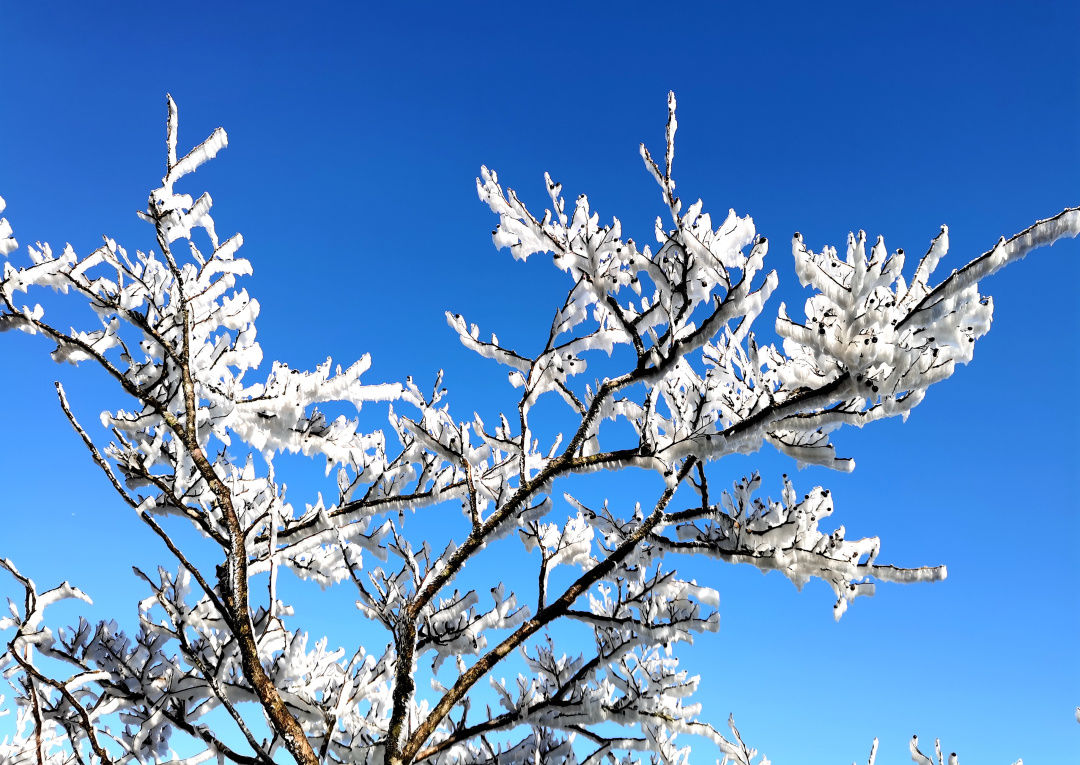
x=356 y=131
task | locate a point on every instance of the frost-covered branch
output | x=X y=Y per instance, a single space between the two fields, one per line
x=678 y=381
x=784 y=536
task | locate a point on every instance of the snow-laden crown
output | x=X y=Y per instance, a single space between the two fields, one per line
x=199 y=439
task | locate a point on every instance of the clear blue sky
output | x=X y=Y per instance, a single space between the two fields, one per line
x=355 y=134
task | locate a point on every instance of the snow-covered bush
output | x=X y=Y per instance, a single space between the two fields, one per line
x=198 y=440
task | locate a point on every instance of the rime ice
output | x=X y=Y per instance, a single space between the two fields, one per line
x=176 y=332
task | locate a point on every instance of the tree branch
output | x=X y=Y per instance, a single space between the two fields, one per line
x=543 y=617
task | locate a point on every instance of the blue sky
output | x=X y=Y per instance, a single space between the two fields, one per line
x=355 y=134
